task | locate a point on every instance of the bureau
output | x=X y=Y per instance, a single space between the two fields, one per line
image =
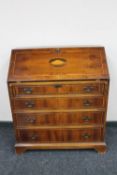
x=59 y=98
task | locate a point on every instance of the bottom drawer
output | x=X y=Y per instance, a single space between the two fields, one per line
x=59 y=135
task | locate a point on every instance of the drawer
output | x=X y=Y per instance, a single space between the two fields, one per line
x=59 y=135
x=49 y=89
x=59 y=118
x=58 y=103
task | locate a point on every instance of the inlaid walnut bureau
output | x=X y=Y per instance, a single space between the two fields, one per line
x=59 y=98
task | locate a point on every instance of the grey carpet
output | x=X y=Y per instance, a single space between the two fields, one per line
x=74 y=162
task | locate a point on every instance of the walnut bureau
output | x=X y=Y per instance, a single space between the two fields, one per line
x=59 y=98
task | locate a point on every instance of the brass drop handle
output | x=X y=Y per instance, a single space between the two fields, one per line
x=57 y=85
x=87 y=103
x=86 y=118
x=29 y=104
x=34 y=137
x=86 y=136
x=88 y=89
x=27 y=90
x=30 y=120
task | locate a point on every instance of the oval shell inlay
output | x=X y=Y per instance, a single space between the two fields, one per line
x=57 y=61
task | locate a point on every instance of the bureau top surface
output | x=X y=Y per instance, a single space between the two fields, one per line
x=49 y=64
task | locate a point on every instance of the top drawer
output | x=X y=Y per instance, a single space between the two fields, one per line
x=57 y=88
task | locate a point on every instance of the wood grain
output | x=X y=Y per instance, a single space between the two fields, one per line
x=56 y=88
x=58 y=135
x=59 y=119
x=59 y=105
x=81 y=63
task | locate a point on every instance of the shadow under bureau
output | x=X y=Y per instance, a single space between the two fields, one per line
x=59 y=98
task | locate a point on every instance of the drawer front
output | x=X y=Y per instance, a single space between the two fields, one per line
x=59 y=118
x=58 y=103
x=59 y=135
x=81 y=88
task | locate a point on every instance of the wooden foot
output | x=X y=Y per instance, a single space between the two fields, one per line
x=101 y=149
x=19 y=150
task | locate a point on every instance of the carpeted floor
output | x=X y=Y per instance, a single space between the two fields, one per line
x=74 y=162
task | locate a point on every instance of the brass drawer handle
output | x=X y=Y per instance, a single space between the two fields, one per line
x=87 y=103
x=29 y=104
x=86 y=118
x=34 y=137
x=30 y=120
x=88 y=89
x=86 y=136
x=57 y=85
x=27 y=90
